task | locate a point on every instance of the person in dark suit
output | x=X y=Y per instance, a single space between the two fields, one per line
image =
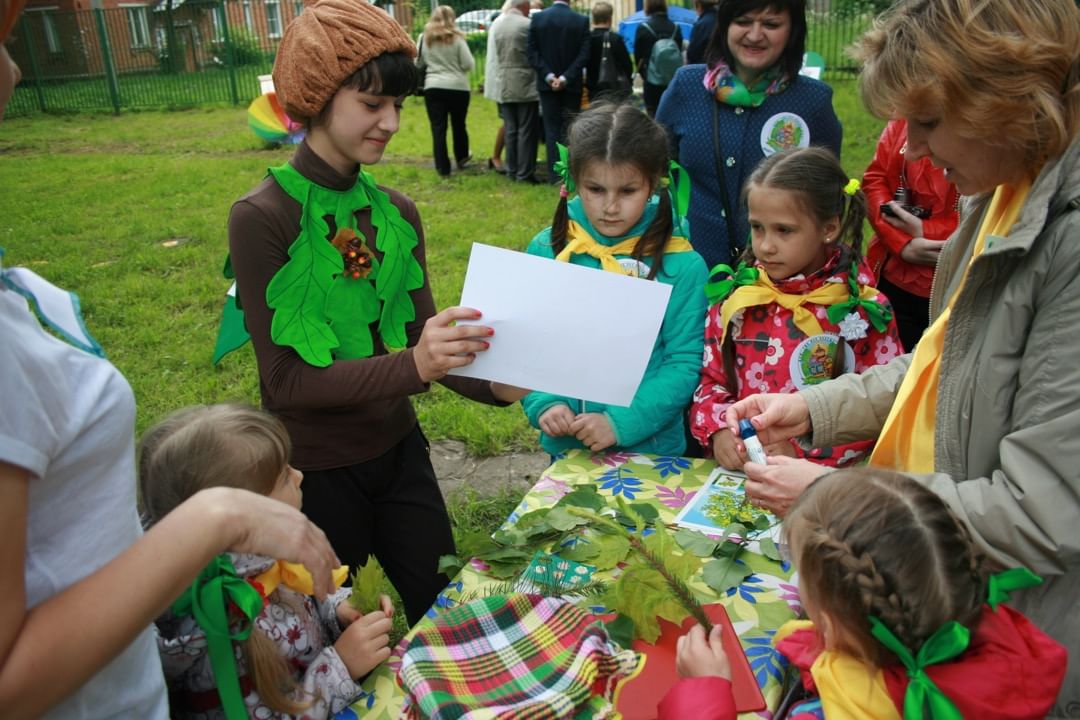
x=557 y=48
x=701 y=32
x=601 y=20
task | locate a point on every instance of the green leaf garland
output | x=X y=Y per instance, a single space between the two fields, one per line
x=323 y=314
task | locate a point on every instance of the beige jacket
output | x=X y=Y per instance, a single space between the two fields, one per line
x=515 y=77
x=1007 y=440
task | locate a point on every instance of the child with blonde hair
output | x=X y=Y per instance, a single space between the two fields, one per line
x=901 y=612
x=302 y=657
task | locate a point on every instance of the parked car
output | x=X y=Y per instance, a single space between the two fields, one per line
x=476 y=20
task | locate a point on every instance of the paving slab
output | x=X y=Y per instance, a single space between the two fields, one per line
x=513 y=473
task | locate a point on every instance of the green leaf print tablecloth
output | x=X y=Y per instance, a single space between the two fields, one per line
x=764 y=601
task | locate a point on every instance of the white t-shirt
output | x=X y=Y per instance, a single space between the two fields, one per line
x=68 y=417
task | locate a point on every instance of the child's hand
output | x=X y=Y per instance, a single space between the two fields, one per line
x=365 y=643
x=347 y=614
x=555 y=421
x=698 y=656
x=593 y=430
x=726 y=450
x=443 y=346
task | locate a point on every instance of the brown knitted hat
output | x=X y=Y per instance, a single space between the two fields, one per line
x=324 y=45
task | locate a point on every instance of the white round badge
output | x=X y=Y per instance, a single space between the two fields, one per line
x=634 y=268
x=784 y=131
x=811 y=361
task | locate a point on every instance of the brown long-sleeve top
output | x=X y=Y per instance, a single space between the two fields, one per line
x=352 y=410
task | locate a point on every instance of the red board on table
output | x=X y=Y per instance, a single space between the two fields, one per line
x=638 y=697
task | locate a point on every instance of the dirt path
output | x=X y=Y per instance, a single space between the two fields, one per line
x=514 y=472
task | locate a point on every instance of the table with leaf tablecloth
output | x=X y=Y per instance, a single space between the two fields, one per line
x=763 y=601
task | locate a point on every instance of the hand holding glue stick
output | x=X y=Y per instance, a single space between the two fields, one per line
x=750 y=440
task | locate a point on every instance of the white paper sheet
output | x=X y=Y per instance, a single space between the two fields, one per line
x=562 y=328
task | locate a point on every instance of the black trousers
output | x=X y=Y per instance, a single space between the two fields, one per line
x=912 y=313
x=650 y=95
x=522 y=121
x=391 y=507
x=443 y=104
x=557 y=109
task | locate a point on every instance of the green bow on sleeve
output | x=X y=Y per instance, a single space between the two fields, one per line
x=562 y=167
x=718 y=290
x=679 y=185
x=207 y=600
x=878 y=314
x=1008 y=581
x=923 y=698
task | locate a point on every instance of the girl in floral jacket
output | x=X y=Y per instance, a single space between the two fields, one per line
x=799 y=309
x=282 y=654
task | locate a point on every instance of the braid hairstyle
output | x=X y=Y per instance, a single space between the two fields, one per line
x=620 y=134
x=208 y=446
x=818 y=181
x=868 y=542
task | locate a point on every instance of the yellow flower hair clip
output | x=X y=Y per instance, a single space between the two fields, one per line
x=852 y=187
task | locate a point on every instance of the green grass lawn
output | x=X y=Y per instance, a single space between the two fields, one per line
x=130 y=212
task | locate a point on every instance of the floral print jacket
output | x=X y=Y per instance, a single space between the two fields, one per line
x=303 y=630
x=772 y=355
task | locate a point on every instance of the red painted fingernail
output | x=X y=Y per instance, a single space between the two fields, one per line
x=486 y=345
x=491 y=331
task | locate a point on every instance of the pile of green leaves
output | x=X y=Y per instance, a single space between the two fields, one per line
x=657 y=563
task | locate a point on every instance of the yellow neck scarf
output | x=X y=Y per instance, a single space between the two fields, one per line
x=765 y=292
x=849 y=689
x=295 y=577
x=579 y=241
x=907 y=438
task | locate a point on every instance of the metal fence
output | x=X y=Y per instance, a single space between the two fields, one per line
x=185 y=53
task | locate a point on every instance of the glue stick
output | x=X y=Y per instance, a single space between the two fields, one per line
x=753 y=445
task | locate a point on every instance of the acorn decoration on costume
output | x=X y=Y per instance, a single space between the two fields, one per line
x=356 y=254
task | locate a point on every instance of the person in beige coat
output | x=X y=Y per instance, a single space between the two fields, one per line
x=986 y=410
x=518 y=99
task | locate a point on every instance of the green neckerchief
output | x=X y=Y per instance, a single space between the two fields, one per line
x=923 y=698
x=718 y=290
x=207 y=600
x=879 y=314
x=321 y=312
x=1005 y=582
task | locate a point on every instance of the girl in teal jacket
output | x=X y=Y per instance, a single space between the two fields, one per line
x=622 y=221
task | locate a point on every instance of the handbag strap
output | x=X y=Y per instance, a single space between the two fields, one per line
x=733 y=248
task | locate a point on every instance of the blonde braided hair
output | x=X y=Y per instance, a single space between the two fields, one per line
x=873 y=542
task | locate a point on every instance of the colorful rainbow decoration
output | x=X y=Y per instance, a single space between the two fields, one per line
x=268 y=120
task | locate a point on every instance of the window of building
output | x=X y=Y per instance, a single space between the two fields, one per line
x=249 y=21
x=215 y=22
x=273 y=18
x=48 y=27
x=138 y=26
x=297 y=7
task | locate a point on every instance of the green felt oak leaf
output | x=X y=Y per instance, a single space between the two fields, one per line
x=400 y=273
x=367 y=582
x=297 y=295
x=351 y=308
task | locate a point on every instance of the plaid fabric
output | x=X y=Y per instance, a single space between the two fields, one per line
x=519 y=657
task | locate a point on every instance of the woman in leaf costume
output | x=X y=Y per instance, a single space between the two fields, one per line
x=904 y=619
x=300 y=658
x=330 y=275
x=799 y=309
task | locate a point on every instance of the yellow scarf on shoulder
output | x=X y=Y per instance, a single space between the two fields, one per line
x=580 y=242
x=295 y=577
x=907 y=438
x=848 y=688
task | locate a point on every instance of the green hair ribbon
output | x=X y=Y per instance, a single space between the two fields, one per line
x=208 y=599
x=923 y=698
x=562 y=167
x=679 y=186
x=718 y=290
x=878 y=314
x=1003 y=583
